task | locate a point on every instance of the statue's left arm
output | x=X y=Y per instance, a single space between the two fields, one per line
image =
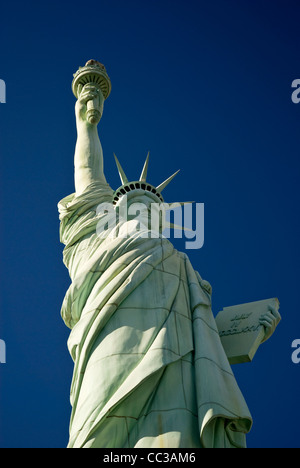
x=88 y=159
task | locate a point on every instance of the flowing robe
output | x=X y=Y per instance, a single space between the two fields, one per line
x=149 y=367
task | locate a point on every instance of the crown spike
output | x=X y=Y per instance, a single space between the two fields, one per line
x=166 y=182
x=145 y=169
x=122 y=174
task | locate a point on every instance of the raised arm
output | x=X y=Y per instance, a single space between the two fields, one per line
x=88 y=160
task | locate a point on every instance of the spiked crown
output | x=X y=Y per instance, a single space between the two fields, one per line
x=141 y=184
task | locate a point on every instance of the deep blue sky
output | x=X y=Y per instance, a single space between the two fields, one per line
x=206 y=87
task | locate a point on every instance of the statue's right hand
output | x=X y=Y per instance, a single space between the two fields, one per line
x=88 y=93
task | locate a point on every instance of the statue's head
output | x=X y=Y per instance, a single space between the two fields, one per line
x=140 y=196
x=143 y=206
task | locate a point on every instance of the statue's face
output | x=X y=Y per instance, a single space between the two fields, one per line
x=140 y=199
x=147 y=209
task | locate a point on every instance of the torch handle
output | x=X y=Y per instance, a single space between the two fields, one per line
x=93 y=113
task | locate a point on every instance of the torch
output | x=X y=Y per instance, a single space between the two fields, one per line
x=94 y=73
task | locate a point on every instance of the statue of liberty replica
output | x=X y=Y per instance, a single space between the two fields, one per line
x=150 y=370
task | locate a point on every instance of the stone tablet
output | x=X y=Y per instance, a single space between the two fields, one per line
x=240 y=330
